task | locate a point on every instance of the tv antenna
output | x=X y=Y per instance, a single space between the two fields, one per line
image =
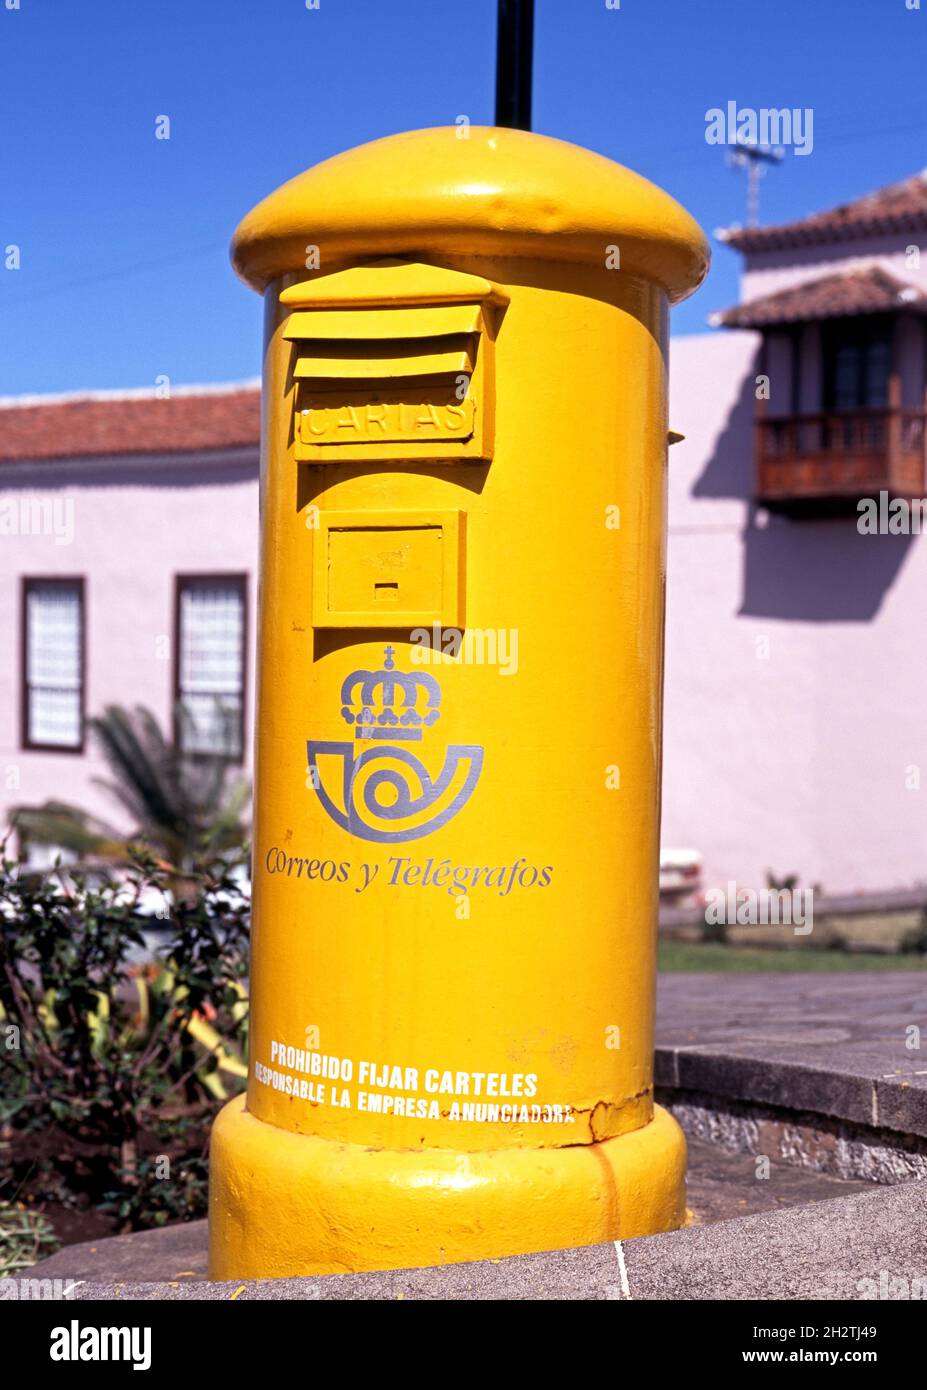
x=755 y=159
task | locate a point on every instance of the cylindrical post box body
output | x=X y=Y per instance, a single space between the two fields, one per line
x=459 y=711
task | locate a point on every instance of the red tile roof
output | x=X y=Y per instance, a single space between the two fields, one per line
x=91 y=426
x=868 y=291
x=899 y=207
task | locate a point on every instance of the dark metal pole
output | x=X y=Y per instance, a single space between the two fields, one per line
x=514 y=51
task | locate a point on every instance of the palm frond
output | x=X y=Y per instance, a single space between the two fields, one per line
x=70 y=827
x=143 y=764
x=176 y=802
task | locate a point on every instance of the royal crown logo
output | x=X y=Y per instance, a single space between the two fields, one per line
x=377 y=716
x=385 y=792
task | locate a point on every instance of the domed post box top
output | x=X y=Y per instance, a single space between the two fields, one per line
x=475 y=191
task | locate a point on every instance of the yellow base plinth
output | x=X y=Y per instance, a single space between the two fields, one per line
x=286 y=1204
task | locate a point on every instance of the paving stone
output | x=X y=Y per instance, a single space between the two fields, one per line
x=723 y=1185
x=834 y=1045
x=832 y=1250
x=173 y=1252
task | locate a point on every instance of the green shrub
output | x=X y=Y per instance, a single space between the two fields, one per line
x=25 y=1238
x=115 y=1054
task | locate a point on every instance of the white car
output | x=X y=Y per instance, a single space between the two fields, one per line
x=680 y=872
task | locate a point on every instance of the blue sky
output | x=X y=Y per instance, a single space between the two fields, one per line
x=124 y=268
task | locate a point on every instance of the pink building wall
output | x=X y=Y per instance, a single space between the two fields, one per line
x=796 y=673
x=136 y=524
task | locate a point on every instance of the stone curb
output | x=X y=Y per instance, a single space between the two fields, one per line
x=864 y=1246
x=787 y=1041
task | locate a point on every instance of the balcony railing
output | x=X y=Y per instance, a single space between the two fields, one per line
x=840 y=456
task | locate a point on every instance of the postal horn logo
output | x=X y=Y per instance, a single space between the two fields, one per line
x=380 y=789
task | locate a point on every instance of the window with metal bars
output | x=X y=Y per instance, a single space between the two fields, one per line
x=209 y=664
x=53 y=663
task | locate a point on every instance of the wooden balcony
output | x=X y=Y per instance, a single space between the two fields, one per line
x=826 y=463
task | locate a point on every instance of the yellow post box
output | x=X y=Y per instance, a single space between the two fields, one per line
x=459 y=710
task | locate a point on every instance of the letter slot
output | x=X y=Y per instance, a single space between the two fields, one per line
x=393 y=361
